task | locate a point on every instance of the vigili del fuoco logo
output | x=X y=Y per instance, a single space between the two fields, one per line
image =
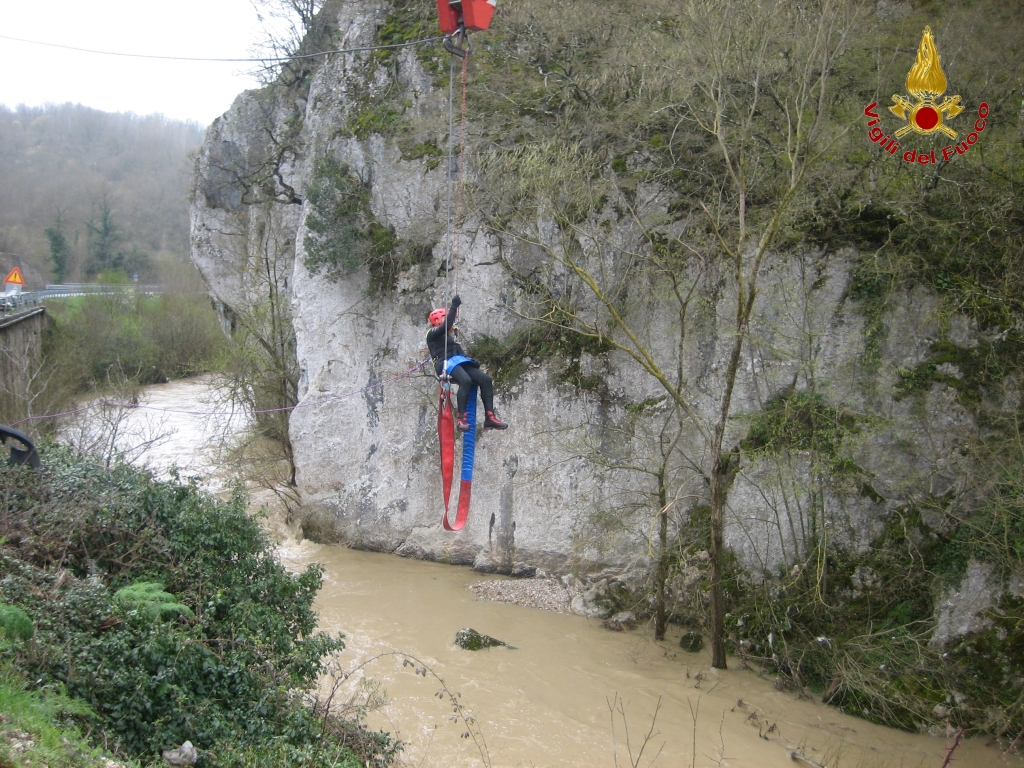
x=923 y=113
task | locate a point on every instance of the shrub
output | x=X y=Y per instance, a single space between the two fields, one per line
x=145 y=338
x=15 y=624
x=88 y=552
x=343 y=235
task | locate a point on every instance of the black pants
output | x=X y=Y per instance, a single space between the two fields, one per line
x=468 y=374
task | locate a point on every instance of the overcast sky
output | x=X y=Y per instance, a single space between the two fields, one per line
x=35 y=75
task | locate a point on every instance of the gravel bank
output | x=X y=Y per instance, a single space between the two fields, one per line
x=546 y=594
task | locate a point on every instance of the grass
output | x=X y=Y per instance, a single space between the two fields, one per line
x=40 y=728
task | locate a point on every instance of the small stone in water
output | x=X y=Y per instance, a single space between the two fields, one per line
x=620 y=621
x=691 y=641
x=471 y=640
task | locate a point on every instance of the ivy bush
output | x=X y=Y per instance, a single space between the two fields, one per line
x=221 y=658
x=507 y=358
x=343 y=236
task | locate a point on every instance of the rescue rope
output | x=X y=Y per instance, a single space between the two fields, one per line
x=445 y=415
x=451 y=290
x=462 y=160
x=423 y=41
x=109 y=402
x=448 y=188
x=445 y=420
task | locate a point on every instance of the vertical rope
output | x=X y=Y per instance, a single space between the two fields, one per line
x=461 y=182
x=462 y=159
x=448 y=185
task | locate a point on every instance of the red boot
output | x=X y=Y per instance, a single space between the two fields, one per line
x=493 y=422
x=462 y=422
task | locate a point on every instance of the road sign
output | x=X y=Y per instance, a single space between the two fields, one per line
x=14 y=276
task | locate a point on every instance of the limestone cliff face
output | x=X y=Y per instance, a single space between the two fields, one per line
x=364 y=432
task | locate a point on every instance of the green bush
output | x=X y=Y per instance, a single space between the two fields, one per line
x=505 y=359
x=15 y=624
x=149 y=598
x=143 y=338
x=800 y=421
x=226 y=668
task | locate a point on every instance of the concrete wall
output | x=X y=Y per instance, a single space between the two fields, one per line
x=21 y=337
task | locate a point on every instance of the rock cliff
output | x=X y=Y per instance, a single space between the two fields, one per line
x=554 y=492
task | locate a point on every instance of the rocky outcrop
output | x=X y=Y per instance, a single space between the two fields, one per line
x=363 y=433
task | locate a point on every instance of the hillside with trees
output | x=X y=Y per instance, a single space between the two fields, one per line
x=87 y=192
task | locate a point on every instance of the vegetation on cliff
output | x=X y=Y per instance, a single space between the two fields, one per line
x=164 y=616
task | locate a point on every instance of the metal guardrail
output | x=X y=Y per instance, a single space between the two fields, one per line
x=17 y=301
x=79 y=289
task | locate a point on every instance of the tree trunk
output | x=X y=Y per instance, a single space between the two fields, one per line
x=660 y=607
x=718 y=473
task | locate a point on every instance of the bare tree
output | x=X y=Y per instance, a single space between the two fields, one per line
x=260 y=376
x=645 y=494
x=290 y=27
x=617 y=707
x=112 y=427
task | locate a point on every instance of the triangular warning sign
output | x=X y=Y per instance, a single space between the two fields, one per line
x=15 y=277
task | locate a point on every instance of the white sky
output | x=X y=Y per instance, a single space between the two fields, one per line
x=36 y=75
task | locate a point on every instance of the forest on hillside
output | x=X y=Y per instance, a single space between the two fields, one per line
x=87 y=192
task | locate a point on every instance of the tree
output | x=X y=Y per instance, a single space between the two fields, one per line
x=290 y=27
x=260 y=375
x=750 y=115
x=643 y=473
x=59 y=248
x=104 y=238
x=253 y=216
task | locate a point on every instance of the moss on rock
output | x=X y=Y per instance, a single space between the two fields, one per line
x=471 y=640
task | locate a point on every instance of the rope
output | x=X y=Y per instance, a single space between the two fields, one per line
x=448 y=185
x=306 y=404
x=462 y=161
x=461 y=183
x=192 y=58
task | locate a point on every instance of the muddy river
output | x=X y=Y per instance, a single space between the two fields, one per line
x=571 y=693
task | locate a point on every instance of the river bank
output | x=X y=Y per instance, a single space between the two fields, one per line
x=547 y=703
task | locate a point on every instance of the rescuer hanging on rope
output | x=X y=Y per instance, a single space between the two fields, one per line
x=449 y=358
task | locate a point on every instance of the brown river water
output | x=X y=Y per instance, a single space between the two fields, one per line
x=548 y=702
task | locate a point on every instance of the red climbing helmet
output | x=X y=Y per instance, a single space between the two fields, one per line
x=437 y=316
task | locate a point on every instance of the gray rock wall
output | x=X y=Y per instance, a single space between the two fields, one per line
x=364 y=432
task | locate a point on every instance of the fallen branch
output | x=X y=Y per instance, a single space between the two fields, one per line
x=952 y=749
x=798 y=757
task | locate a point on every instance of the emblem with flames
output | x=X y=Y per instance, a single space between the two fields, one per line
x=926 y=83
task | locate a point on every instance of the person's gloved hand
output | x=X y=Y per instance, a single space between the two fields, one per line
x=456 y=302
